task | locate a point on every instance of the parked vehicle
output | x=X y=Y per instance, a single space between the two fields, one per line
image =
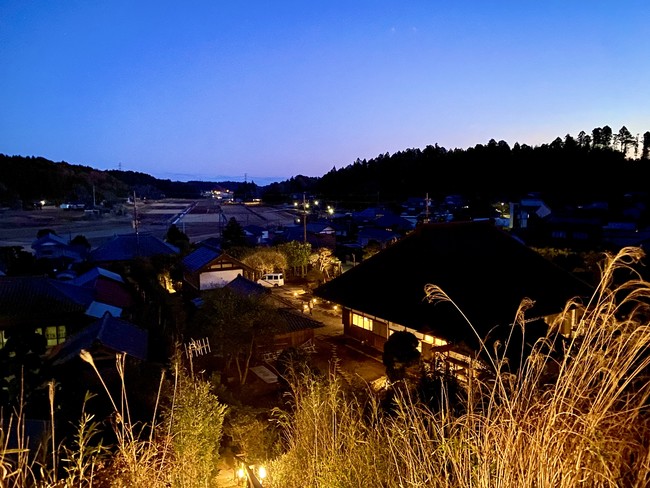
x=272 y=279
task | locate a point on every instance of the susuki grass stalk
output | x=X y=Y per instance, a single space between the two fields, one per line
x=577 y=419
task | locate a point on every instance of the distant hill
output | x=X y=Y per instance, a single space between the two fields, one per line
x=603 y=165
x=26 y=179
x=598 y=165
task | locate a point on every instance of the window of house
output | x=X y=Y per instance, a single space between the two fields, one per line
x=3 y=339
x=361 y=321
x=53 y=334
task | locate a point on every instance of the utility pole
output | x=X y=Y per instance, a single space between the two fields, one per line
x=135 y=215
x=426 y=209
x=304 y=219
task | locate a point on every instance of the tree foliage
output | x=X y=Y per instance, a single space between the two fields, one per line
x=235 y=324
x=324 y=260
x=400 y=354
x=297 y=255
x=266 y=260
x=178 y=238
x=195 y=421
x=233 y=235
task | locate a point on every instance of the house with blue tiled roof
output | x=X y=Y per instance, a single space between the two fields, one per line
x=104 y=338
x=56 y=308
x=127 y=247
x=208 y=267
x=58 y=249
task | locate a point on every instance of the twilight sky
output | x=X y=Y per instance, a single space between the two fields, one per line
x=266 y=90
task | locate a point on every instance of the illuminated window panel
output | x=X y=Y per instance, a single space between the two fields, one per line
x=361 y=321
x=53 y=334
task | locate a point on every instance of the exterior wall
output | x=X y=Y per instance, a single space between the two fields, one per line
x=217 y=279
x=376 y=338
x=293 y=339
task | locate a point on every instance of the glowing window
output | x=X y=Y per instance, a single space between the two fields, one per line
x=361 y=321
x=53 y=334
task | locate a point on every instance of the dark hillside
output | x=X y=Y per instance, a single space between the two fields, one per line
x=487 y=171
x=24 y=180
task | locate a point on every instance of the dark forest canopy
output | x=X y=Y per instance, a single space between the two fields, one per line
x=27 y=179
x=590 y=165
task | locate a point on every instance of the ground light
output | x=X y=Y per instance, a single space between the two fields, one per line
x=251 y=475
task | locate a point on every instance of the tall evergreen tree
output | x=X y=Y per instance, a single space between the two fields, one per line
x=645 y=153
x=233 y=234
x=625 y=139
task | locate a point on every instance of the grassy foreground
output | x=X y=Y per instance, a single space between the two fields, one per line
x=579 y=419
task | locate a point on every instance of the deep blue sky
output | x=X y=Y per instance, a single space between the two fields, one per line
x=211 y=89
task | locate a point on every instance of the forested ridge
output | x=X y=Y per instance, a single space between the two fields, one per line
x=599 y=164
x=26 y=179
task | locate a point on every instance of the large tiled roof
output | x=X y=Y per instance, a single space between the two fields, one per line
x=90 y=276
x=30 y=297
x=293 y=321
x=381 y=235
x=244 y=286
x=200 y=257
x=126 y=247
x=108 y=332
x=393 y=221
x=484 y=270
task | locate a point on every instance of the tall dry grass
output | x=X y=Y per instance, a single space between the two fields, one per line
x=179 y=448
x=580 y=419
x=577 y=419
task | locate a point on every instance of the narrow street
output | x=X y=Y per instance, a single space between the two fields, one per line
x=357 y=360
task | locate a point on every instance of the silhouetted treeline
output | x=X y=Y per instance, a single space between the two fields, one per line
x=599 y=164
x=567 y=170
x=27 y=179
x=24 y=180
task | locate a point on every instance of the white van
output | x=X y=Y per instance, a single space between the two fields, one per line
x=272 y=279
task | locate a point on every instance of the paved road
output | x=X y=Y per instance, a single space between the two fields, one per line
x=357 y=360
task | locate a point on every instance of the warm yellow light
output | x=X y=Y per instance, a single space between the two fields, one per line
x=315 y=202
x=240 y=473
x=428 y=339
x=261 y=472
